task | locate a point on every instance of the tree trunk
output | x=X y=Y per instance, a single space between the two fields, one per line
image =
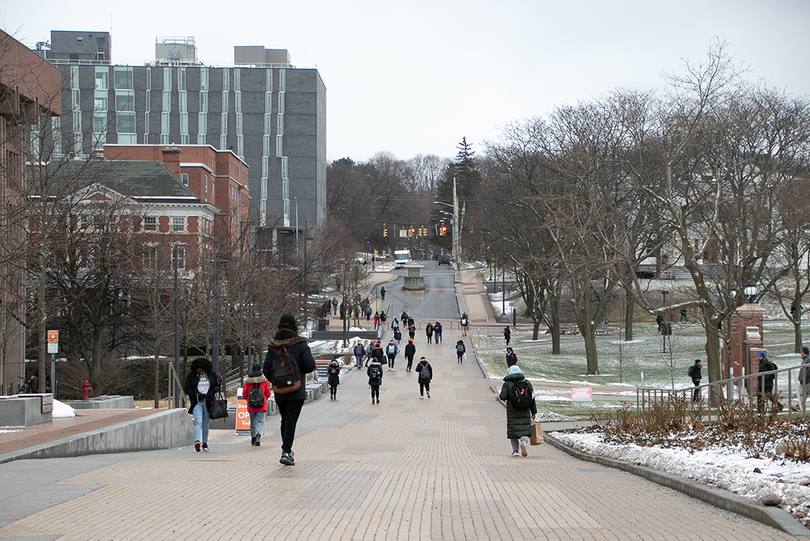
x=157 y=376
x=629 y=312
x=555 y=325
x=589 y=335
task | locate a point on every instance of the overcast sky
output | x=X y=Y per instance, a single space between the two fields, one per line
x=414 y=77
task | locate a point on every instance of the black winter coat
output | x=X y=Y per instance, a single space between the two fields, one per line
x=298 y=348
x=518 y=422
x=192 y=379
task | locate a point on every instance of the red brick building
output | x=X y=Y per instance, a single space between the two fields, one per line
x=217 y=177
x=30 y=94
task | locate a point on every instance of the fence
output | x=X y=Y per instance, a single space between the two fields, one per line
x=745 y=386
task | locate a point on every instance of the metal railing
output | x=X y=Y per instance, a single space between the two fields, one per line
x=745 y=386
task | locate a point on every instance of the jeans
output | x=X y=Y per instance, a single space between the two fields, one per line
x=516 y=443
x=359 y=359
x=289 y=411
x=200 y=413
x=424 y=386
x=256 y=423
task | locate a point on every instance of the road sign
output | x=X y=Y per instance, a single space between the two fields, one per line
x=581 y=394
x=53 y=337
x=53 y=347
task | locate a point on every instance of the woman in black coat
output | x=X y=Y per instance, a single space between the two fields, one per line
x=518 y=421
x=201 y=386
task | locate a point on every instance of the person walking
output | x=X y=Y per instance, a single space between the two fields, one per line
x=359 y=352
x=694 y=373
x=375 y=376
x=425 y=372
x=334 y=378
x=429 y=332
x=404 y=316
x=464 y=323
x=256 y=413
x=410 y=351
x=391 y=351
x=334 y=306
x=803 y=388
x=511 y=358
x=382 y=293
x=376 y=320
x=376 y=353
x=397 y=336
x=201 y=385
x=437 y=332
x=460 y=350
x=765 y=383
x=394 y=325
x=367 y=312
x=289 y=404
x=411 y=331
x=518 y=417
x=507 y=334
x=383 y=317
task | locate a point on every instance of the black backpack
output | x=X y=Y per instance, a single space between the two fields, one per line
x=284 y=373
x=424 y=374
x=256 y=397
x=459 y=348
x=521 y=397
x=374 y=373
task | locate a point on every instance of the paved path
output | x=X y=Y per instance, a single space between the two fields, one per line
x=407 y=468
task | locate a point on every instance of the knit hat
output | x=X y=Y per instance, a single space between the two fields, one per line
x=256 y=366
x=410 y=340
x=761 y=354
x=514 y=369
x=697 y=361
x=288 y=322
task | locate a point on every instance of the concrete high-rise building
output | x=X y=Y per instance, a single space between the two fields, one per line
x=269 y=113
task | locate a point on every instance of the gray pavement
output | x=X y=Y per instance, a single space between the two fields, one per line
x=438 y=468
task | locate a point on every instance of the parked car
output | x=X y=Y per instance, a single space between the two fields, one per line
x=445 y=259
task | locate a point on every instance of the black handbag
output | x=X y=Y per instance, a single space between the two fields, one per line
x=217 y=408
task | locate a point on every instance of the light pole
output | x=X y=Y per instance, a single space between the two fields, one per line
x=664 y=324
x=176 y=333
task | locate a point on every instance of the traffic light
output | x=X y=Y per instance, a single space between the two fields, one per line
x=385 y=231
x=443 y=230
x=411 y=231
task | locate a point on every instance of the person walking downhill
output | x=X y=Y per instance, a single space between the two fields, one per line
x=383 y=317
x=460 y=351
x=289 y=404
x=397 y=336
x=511 y=358
x=391 y=351
x=376 y=353
x=411 y=331
x=520 y=412
x=694 y=373
x=437 y=331
x=257 y=405
x=394 y=325
x=410 y=351
x=507 y=334
x=201 y=385
x=803 y=388
x=375 y=376
x=464 y=323
x=425 y=372
x=359 y=353
x=334 y=379
x=376 y=320
x=429 y=332
x=382 y=293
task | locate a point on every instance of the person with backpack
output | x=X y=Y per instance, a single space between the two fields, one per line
x=359 y=353
x=256 y=391
x=376 y=353
x=464 y=323
x=201 y=386
x=367 y=312
x=383 y=317
x=410 y=351
x=765 y=383
x=429 y=332
x=425 y=372
x=437 y=332
x=376 y=320
x=334 y=379
x=395 y=325
x=288 y=361
x=411 y=332
x=382 y=293
x=375 y=375
x=391 y=351
x=521 y=409
x=397 y=336
x=460 y=350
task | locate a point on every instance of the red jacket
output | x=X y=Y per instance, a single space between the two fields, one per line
x=263 y=384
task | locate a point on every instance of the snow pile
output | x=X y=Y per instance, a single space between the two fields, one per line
x=727 y=468
x=60 y=410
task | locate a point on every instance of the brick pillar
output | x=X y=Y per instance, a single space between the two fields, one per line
x=171 y=159
x=746 y=333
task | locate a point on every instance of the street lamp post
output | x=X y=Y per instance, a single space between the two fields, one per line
x=664 y=325
x=176 y=333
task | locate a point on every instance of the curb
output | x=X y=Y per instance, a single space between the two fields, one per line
x=774 y=517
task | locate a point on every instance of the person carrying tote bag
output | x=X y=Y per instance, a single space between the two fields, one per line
x=201 y=386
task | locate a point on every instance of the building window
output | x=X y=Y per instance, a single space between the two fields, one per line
x=184 y=178
x=122 y=78
x=280 y=125
x=179 y=256
x=150 y=257
x=167 y=79
x=282 y=80
x=150 y=223
x=204 y=79
x=279 y=146
x=281 y=103
x=181 y=79
x=100 y=98
x=178 y=223
x=102 y=76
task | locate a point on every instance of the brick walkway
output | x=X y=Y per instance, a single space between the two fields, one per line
x=404 y=469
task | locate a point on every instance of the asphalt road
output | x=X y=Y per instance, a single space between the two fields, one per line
x=436 y=302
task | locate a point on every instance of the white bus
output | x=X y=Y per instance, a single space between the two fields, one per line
x=401 y=258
